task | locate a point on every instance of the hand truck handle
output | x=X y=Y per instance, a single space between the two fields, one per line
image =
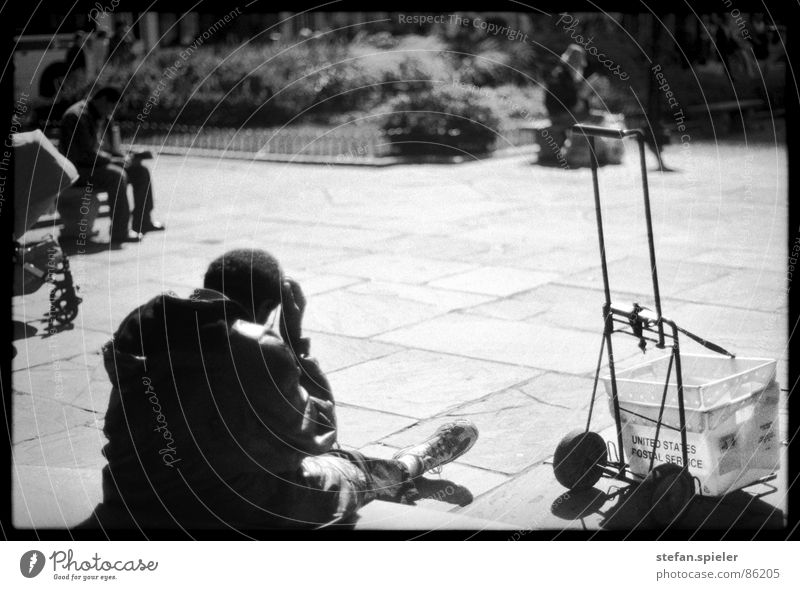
x=607 y=132
x=589 y=133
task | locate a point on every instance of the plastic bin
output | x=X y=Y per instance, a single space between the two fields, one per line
x=731 y=408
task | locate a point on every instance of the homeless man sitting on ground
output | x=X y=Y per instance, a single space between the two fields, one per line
x=216 y=421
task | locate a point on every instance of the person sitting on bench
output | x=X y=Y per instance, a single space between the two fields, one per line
x=566 y=98
x=216 y=420
x=82 y=126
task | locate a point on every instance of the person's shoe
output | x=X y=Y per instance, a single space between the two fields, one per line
x=130 y=236
x=448 y=443
x=148 y=226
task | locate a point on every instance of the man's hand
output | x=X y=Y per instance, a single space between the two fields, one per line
x=118 y=159
x=293 y=305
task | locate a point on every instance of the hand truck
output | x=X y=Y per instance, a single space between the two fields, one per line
x=583 y=456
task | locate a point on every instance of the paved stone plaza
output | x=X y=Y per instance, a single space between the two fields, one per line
x=434 y=291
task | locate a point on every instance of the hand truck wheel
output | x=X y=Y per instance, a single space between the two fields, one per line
x=671 y=489
x=579 y=458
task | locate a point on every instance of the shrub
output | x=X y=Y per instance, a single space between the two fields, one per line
x=444 y=119
x=497 y=62
x=329 y=79
x=515 y=104
x=272 y=84
x=257 y=85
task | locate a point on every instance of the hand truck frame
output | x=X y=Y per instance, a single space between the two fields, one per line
x=582 y=456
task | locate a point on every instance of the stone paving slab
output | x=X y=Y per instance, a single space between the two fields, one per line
x=535 y=344
x=359 y=427
x=75 y=447
x=325 y=236
x=762 y=291
x=516 y=430
x=35 y=417
x=765 y=258
x=306 y=239
x=53 y=497
x=103 y=311
x=81 y=382
x=540 y=235
x=338 y=352
x=446 y=247
x=564 y=261
x=82 y=389
x=560 y=305
x=736 y=327
x=498 y=280
x=95 y=396
x=317 y=283
x=436 y=383
x=514 y=308
x=437 y=209
x=526 y=502
x=59 y=381
x=44 y=350
x=397 y=268
x=632 y=275
x=572 y=393
x=362 y=310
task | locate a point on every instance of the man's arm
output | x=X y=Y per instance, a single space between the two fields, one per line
x=107 y=146
x=313 y=379
x=78 y=142
x=293 y=306
x=298 y=409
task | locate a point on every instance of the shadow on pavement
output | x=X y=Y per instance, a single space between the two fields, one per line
x=443 y=490
x=626 y=509
x=73 y=248
x=22 y=330
x=56 y=329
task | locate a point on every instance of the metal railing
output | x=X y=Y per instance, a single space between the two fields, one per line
x=341 y=143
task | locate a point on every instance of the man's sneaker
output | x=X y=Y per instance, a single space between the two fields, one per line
x=449 y=442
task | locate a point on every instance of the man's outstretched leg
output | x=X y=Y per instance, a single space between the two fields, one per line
x=332 y=487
